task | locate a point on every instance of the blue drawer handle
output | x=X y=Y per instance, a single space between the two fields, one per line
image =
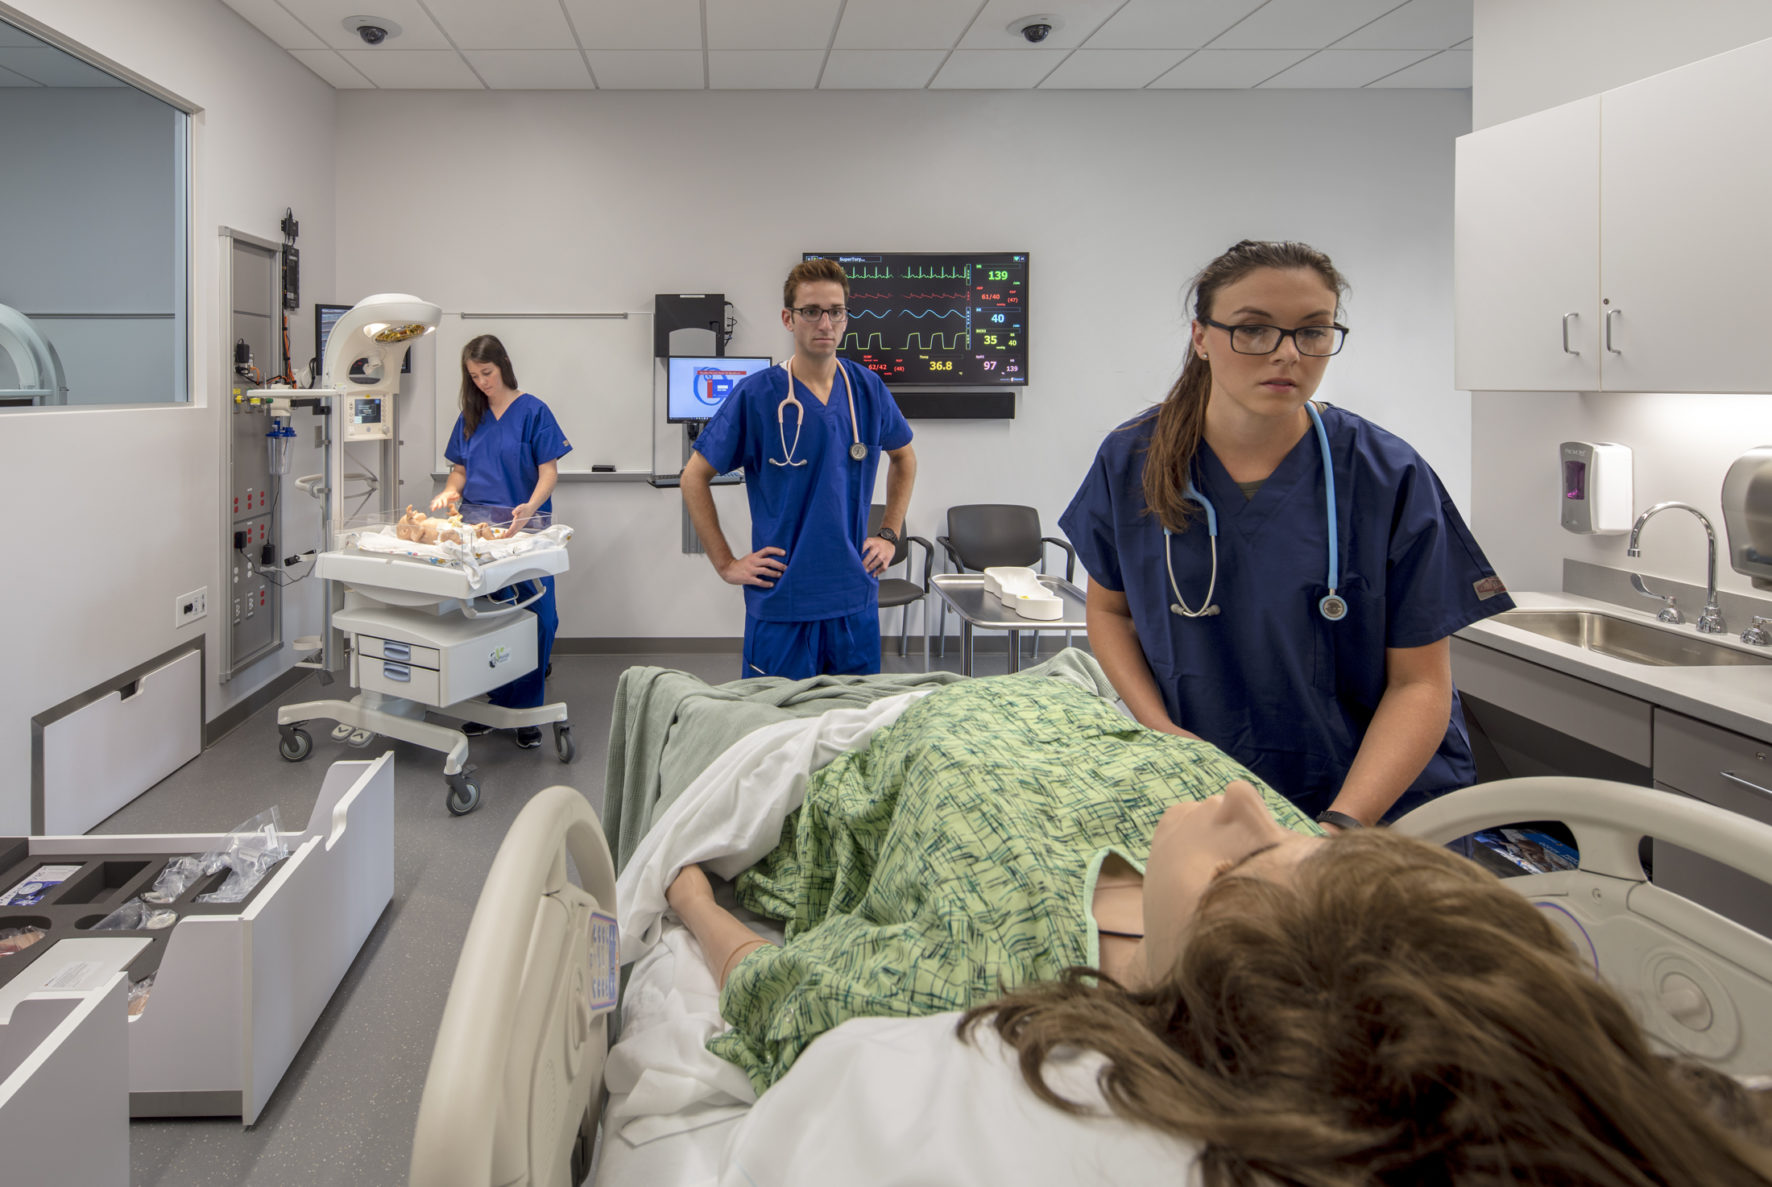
x=399 y=672
x=393 y=650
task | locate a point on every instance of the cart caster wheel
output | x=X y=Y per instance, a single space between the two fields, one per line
x=295 y=744
x=464 y=794
x=563 y=744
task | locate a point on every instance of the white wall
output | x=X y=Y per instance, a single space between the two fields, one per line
x=1533 y=54
x=596 y=201
x=1530 y=55
x=91 y=603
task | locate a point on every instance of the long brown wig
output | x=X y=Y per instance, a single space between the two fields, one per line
x=474 y=405
x=1393 y=1014
x=1181 y=417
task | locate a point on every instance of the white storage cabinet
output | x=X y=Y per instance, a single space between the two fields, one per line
x=1617 y=243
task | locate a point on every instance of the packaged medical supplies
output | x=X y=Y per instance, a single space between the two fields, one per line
x=251 y=849
x=38 y=883
x=16 y=939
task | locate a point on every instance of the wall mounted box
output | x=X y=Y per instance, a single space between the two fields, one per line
x=1595 y=488
x=237 y=986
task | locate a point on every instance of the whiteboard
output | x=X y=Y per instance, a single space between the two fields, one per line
x=596 y=374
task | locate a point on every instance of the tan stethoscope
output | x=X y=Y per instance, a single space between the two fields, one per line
x=858 y=451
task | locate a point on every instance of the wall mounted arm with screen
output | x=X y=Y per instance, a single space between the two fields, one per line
x=697 y=385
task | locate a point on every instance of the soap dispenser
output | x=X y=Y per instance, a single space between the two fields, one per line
x=1596 y=488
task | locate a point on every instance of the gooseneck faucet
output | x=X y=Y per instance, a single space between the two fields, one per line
x=1711 y=621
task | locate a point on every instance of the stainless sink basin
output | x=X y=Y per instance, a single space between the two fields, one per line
x=1622 y=638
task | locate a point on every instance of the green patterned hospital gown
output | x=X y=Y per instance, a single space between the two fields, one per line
x=953 y=859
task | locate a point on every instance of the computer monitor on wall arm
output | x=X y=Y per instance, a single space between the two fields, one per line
x=696 y=385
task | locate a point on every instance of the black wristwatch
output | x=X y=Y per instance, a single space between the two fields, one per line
x=888 y=535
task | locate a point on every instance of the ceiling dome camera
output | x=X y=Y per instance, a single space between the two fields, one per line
x=372 y=30
x=1034 y=29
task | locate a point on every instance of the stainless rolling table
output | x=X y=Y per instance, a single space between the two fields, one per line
x=964 y=594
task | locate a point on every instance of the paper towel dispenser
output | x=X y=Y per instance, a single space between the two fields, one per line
x=1747 y=515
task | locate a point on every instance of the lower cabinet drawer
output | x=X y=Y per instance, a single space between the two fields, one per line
x=1729 y=771
x=397 y=679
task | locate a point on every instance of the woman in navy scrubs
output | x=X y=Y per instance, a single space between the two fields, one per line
x=506 y=447
x=1277 y=576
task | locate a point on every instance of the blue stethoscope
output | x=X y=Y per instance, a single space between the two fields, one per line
x=1331 y=606
x=857 y=451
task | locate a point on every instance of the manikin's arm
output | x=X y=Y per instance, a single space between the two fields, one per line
x=723 y=938
x=1406 y=729
x=1114 y=641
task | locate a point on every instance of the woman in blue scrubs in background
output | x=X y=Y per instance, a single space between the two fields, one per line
x=506 y=447
x=1223 y=604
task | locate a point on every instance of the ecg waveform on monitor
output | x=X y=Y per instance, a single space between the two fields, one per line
x=953 y=319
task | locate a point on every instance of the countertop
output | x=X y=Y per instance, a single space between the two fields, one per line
x=1732 y=698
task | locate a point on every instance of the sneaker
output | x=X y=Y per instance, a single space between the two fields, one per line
x=529 y=737
x=475 y=729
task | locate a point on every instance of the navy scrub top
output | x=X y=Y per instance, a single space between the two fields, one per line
x=1268 y=679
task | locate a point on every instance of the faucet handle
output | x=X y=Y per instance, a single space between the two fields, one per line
x=1756 y=634
x=1670 y=610
x=1711 y=621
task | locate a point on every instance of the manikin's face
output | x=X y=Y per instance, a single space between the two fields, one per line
x=1279 y=383
x=817 y=338
x=486 y=377
x=1196 y=842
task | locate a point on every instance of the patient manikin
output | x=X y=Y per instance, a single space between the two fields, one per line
x=1365 y=1008
x=426 y=529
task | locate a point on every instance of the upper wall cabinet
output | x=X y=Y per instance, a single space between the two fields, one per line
x=1620 y=243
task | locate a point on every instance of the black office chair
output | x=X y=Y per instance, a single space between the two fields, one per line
x=985 y=535
x=898 y=591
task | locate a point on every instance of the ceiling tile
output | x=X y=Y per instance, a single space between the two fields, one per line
x=1227 y=69
x=1301 y=24
x=509 y=24
x=764 y=69
x=996 y=69
x=1111 y=69
x=1449 y=70
x=770 y=24
x=334 y=69
x=904 y=24
x=274 y=21
x=414 y=69
x=880 y=69
x=1164 y=24
x=628 y=24
x=530 y=69
x=1335 y=68
x=53 y=68
x=1419 y=24
x=648 y=69
x=1074 y=21
x=327 y=18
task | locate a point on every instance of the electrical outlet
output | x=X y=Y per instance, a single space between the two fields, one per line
x=190 y=607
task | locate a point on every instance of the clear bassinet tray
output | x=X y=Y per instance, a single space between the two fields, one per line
x=421 y=557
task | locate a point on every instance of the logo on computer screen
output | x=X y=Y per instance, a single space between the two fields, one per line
x=712 y=385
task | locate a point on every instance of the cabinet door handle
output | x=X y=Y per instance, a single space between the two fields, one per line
x=1610 y=314
x=1566 y=318
x=1732 y=777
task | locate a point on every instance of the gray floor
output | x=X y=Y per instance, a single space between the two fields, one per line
x=345 y=1111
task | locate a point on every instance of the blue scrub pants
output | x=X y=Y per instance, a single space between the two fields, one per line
x=528 y=691
x=847 y=646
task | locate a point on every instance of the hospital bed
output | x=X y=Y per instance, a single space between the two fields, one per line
x=1701 y=984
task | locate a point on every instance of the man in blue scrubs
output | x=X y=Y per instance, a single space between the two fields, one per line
x=809 y=434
